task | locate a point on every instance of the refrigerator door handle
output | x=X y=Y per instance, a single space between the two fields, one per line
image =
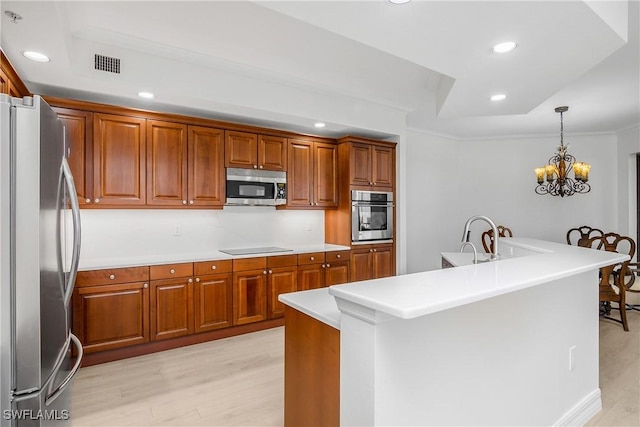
x=53 y=394
x=75 y=213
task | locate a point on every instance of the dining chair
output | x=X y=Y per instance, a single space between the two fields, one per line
x=487 y=237
x=579 y=235
x=612 y=286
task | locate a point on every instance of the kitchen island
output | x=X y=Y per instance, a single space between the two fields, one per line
x=512 y=342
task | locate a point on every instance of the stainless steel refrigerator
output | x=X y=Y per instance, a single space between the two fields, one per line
x=39 y=214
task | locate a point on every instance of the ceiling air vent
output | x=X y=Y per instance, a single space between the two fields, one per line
x=107 y=63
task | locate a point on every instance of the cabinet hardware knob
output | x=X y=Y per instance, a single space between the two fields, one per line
x=172 y=271
x=370 y=250
x=375 y=250
x=312 y=258
x=270 y=271
x=374 y=183
x=112 y=276
x=264 y=272
x=197 y=280
x=338 y=256
x=184 y=202
x=190 y=202
x=213 y=267
x=97 y=200
x=255 y=166
x=323 y=265
x=261 y=167
x=87 y=200
x=190 y=280
x=146 y=285
x=328 y=265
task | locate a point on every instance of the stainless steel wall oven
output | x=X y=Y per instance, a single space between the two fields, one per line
x=371 y=216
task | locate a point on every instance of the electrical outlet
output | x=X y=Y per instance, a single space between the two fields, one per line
x=572 y=357
x=177 y=230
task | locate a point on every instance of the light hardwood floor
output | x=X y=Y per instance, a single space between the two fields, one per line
x=239 y=382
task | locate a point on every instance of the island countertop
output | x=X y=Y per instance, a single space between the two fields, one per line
x=413 y=295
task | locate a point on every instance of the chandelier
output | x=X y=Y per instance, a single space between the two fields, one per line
x=557 y=171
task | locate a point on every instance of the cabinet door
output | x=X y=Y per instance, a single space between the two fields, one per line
x=119 y=160
x=383 y=262
x=206 y=167
x=166 y=163
x=300 y=175
x=111 y=316
x=360 y=164
x=249 y=296
x=361 y=264
x=325 y=169
x=310 y=276
x=272 y=153
x=79 y=139
x=383 y=170
x=336 y=273
x=281 y=280
x=213 y=304
x=241 y=150
x=171 y=308
x=4 y=82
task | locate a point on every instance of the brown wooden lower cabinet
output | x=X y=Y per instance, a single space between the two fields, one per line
x=171 y=308
x=250 y=292
x=372 y=262
x=212 y=295
x=281 y=280
x=311 y=371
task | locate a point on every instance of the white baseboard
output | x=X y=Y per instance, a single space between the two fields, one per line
x=580 y=414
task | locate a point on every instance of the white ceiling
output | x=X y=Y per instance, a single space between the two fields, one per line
x=430 y=61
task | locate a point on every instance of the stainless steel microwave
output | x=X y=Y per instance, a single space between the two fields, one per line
x=250 y=187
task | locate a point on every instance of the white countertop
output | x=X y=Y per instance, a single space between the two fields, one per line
x=213 y=255
x=419 y=294
x=316 y=303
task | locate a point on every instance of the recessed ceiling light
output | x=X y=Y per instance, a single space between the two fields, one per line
x=399 y=1
x=36 y=56
x=147 y=95
x=499 y=97
x=319 y=125
x=504 y=47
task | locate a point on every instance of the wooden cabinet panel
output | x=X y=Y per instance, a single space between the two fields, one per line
x=166 y=163
x=272 y=153
x=243 y=264
x=213 y=304
x=281 y=280
x=170 y=271
x=360 y=164
x=206 y=180
x=311 y=258
x=361 y=264
x=300 y=175
x=383 y=167
x=372 y=262
x=10 y=82
x=249 y=296
x=282 y=261
x=210 y=267
x=111 y=316
x=79 y=140
x=383 y=261
x=335 y=256
x=325 y=175
x=310 y=276
x=119 y=153
x=4 y=82
x=171 y=308
x=112 y=276
x=336 y=273
x=241 y=150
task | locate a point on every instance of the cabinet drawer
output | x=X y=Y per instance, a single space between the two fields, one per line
x=169 y=271
x=244 y=264
x=282 y=261
x=311 y=258
x=211 y=267
x=112 y=276
x=337 y=256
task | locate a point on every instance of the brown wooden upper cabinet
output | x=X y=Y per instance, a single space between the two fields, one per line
x=371 y=166
x=184 y=165
x=252 y=151
x=312 y=180
x=119 y=159
x=79 y=138
x=10 y=82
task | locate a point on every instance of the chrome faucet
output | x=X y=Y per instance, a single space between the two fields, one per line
x=475 y=252
x=465 y=234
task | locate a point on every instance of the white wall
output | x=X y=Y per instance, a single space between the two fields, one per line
x=450 y=181
x=122 y=233
x=628 y=147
